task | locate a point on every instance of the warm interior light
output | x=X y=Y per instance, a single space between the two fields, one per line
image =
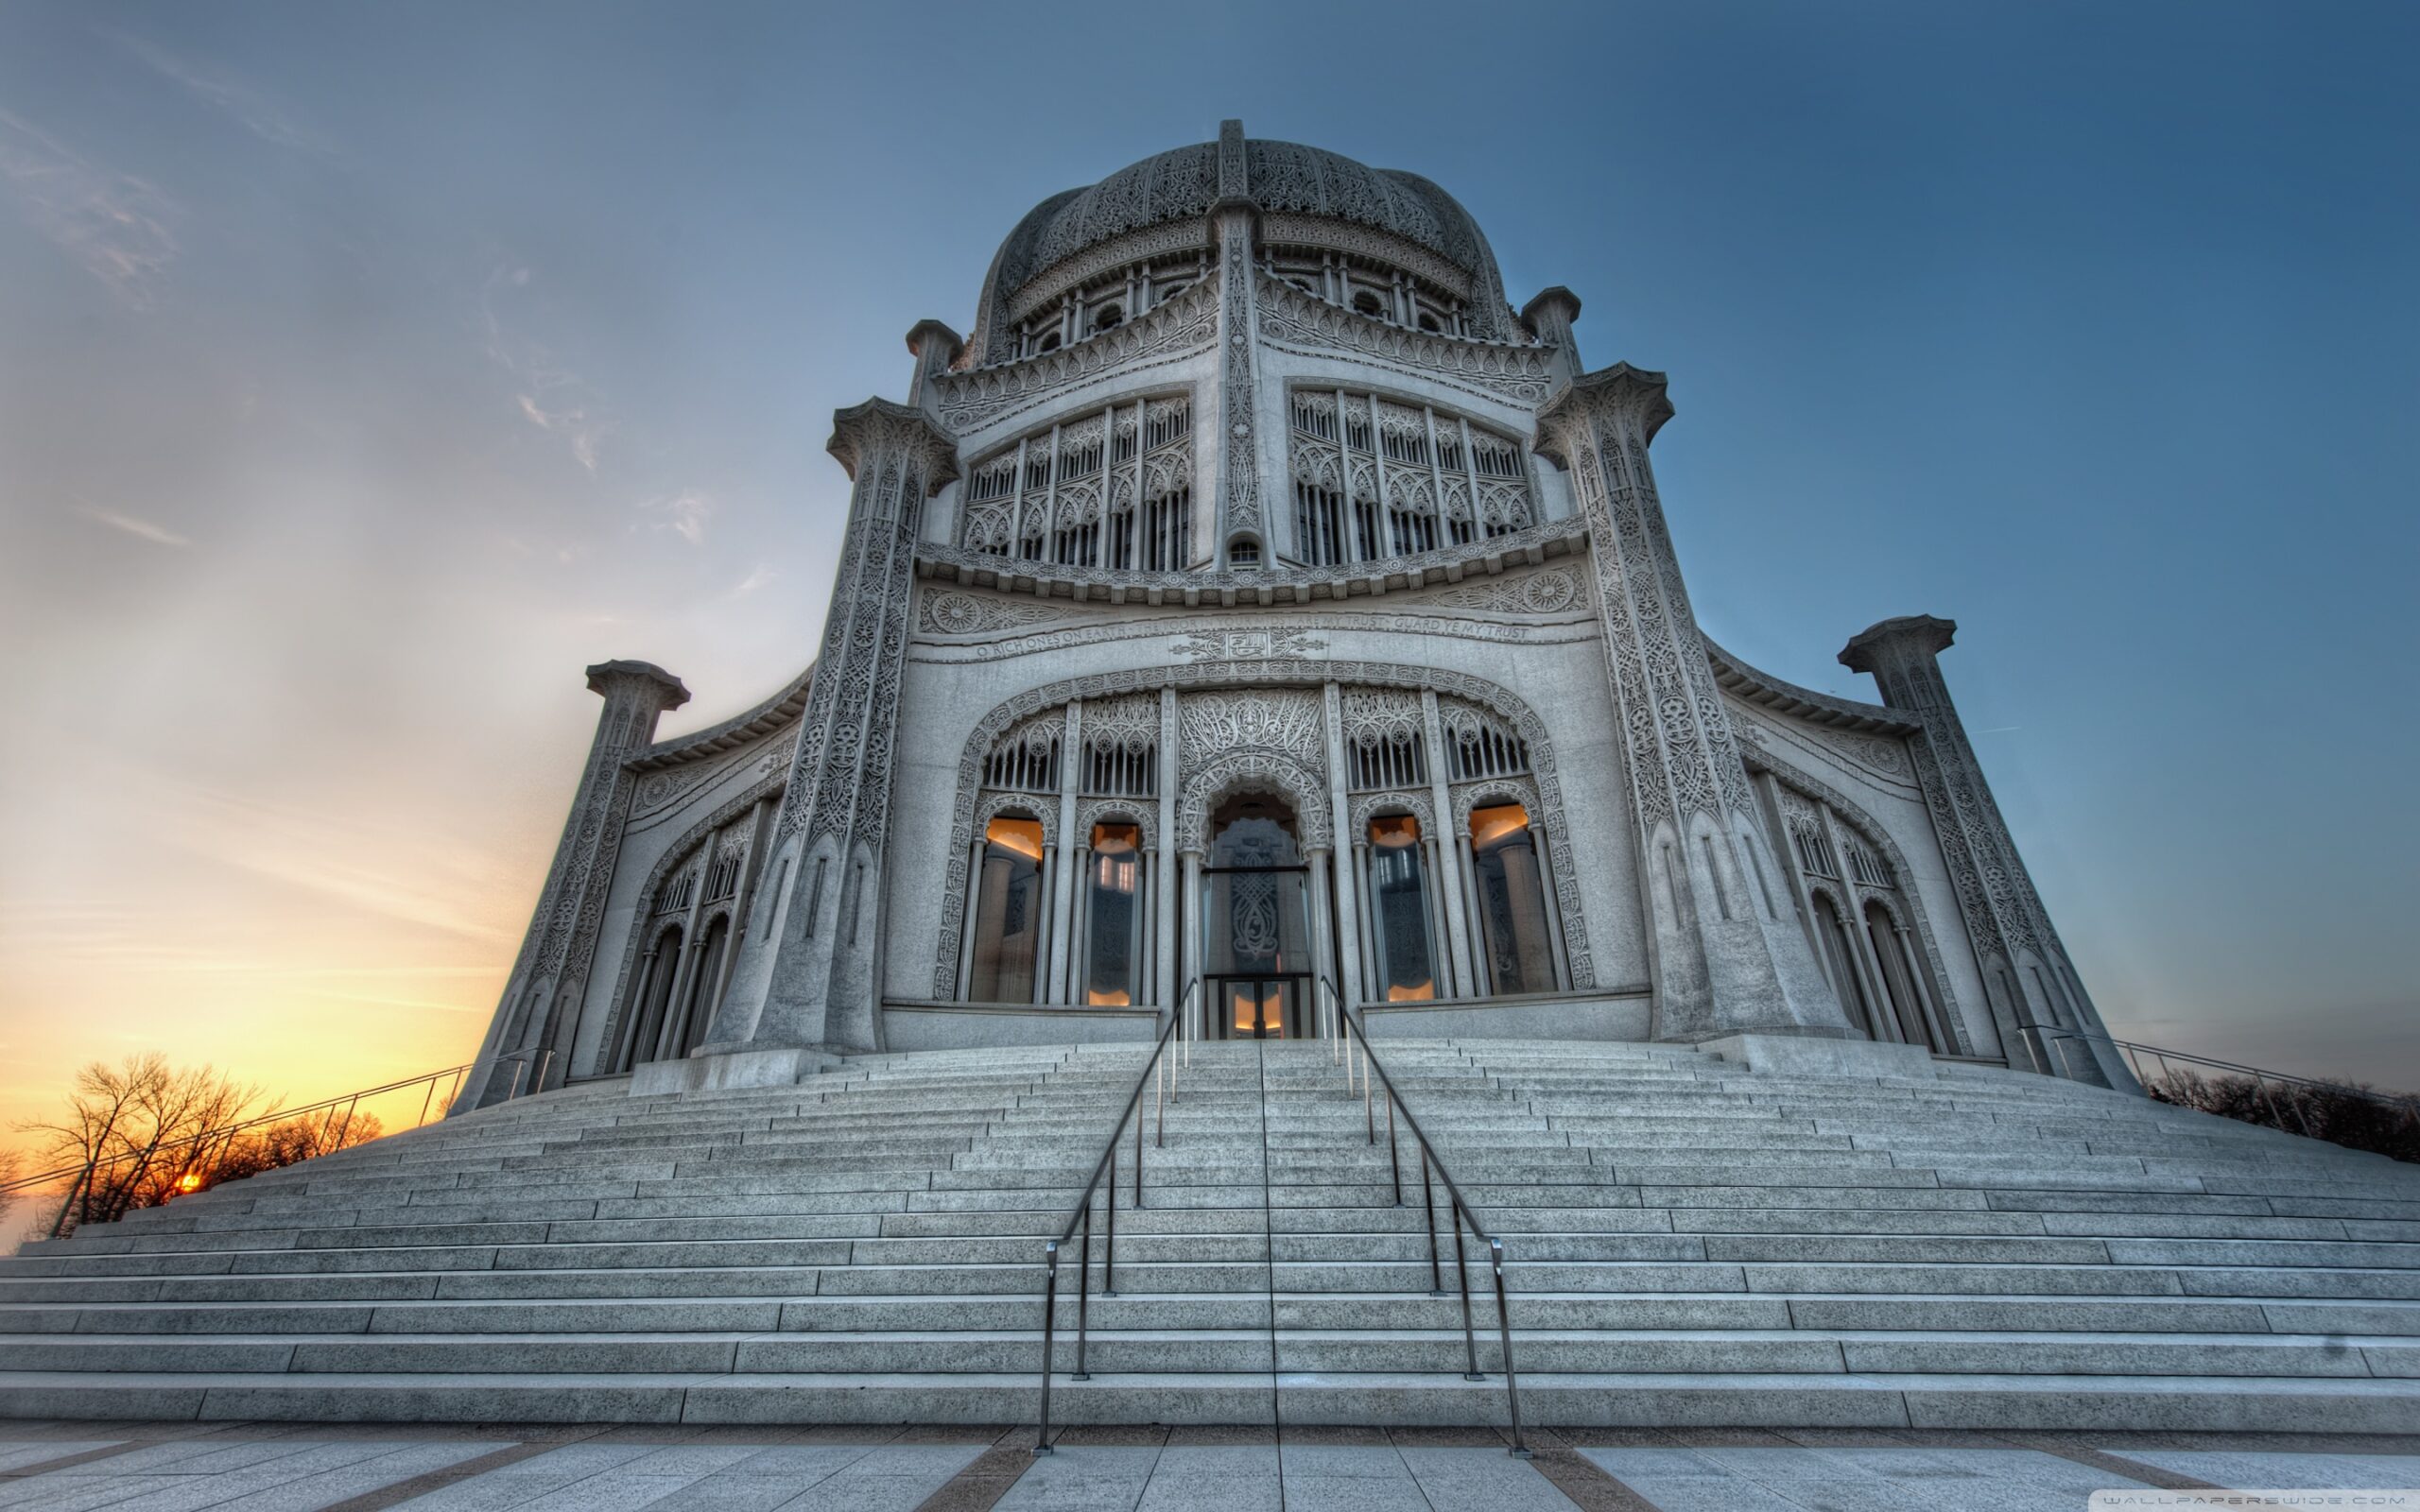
x=1024 y=836
x=1491 y=825
x=1394 y=831
x=1412 y=992
x=1115 y=997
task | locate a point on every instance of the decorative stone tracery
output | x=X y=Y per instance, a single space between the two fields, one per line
x=1279 y=757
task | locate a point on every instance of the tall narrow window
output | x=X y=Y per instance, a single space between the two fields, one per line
x=1399 y=911
x=1834 y=932
x=1881 y=933
x=1113 y=926
x=1008 y=912
x=1512 y=901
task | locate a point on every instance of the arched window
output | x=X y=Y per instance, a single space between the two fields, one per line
x=703 y=993
x=1108 y=319
x=654 y=994
x=1890 y=949
x=1833 y=932
x=1373 y=479
x=1110 y=487
x=1511 y=900
x=1008 y=912
x=1113 y=916
x=1399 y=911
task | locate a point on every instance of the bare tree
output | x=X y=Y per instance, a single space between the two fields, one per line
x=140 y=1133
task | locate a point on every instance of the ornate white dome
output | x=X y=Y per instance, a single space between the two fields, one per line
x=1303 y=184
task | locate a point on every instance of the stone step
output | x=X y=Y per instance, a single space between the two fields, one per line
x=2097 y=1402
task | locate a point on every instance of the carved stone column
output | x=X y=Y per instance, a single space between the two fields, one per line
x=810 y=976
x=1164 y=904
x=1066 y=899
x=1239 y=502
x=1339 y=807
x=541 y=997
x=2027 y=975
x=1720 y=967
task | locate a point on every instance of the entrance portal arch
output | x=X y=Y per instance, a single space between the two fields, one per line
x=1259 y=951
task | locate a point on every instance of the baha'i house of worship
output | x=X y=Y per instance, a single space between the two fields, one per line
x=1254 y=611
x=1259 y=711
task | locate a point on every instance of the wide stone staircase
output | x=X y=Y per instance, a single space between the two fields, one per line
x=1689 y=1242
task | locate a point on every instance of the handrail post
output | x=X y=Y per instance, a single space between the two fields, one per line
x=1428 y=1193
x=1463 y=1274
x=1369 y=1115
x=1138 y=1156
x=83 y=1179
x=1160 y=1107
x=1109 y=1242
x=1049 y=1314
x=1395 y=1163
x=1504 y=1324
x=427 y=1098
x=1083 y=1295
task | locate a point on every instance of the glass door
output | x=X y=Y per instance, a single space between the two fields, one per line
x=1260 y=1007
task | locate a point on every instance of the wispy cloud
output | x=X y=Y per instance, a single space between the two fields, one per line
x=113 y=224
x=247 y=106
x=757 y=577
x=378 y=868
x=686 y=514
x=547 y=394
x=158 y=535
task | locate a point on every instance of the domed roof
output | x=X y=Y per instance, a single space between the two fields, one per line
x=1277 y=177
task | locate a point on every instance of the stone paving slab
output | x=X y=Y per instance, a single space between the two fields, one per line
x=69 y=1467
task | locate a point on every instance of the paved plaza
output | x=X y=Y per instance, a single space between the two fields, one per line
x=78 y=1466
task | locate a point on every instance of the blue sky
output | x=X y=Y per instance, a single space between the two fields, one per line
x=366 y=371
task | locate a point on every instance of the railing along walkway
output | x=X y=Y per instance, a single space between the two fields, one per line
x=2136 y=1053
x=1159 y=1073
x=196 y=1149
x=1350 y=1035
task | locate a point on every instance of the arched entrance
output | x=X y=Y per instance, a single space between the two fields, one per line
x=1257 y=921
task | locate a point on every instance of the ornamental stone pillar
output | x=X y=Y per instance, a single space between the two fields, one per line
x=808 y=977
x=1722 y=963
x=541 y=1000
x=2028 y=978
x=1238 y=495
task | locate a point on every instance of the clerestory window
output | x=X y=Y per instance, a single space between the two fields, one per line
x=1374 y=479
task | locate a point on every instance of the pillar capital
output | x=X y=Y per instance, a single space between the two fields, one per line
x=866 y=432
x=1621 y=392
x=936 y=348
x=926 y=336
x=1910 y=637
x=637 y=682
x=1549 y=314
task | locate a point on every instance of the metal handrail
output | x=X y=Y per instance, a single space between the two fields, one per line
x=1161 y=1072
x=2133 y=1051
x=1458 y=1211
x=84 y=1171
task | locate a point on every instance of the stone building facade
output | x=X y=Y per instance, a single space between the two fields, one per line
x=1256 y=613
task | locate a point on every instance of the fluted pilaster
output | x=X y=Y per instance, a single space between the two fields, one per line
x=541 y=997
x=1727 y=958
x=808 y=973
x=2033 y=986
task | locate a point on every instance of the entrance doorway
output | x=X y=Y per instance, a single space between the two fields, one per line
x=1256 y=924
